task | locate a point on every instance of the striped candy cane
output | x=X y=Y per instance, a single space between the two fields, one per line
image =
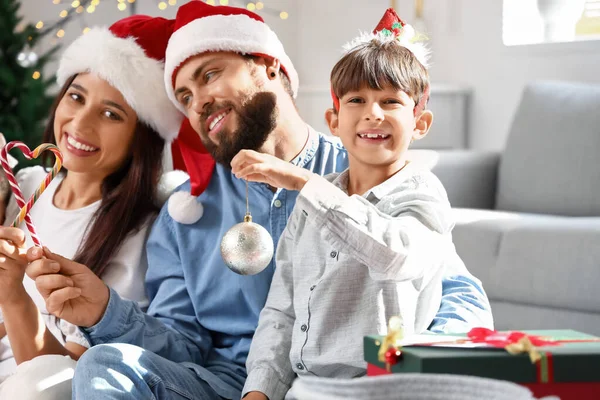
x=26 y=207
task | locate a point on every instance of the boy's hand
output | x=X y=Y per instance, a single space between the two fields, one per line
x=258 y=167
x=71 y=290
x=255 y=396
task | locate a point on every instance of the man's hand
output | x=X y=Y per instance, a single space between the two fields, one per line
x=255 y=396
x=259 y=167
x=71 y=290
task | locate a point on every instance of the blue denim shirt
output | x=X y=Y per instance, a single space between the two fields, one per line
x=204 y=315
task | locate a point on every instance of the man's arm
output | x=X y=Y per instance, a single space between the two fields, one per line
x=464 y=304
x=169 y=328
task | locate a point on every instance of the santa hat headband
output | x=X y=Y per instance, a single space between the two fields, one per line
x=392 y=29
x=200 y=27
x=129 y=55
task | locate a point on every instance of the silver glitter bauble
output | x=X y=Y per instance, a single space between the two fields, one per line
x=247 y=248
x=27 y=58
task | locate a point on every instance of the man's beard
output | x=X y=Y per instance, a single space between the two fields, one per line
x=257 y=118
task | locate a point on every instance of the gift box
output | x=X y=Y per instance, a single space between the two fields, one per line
x=568 y=367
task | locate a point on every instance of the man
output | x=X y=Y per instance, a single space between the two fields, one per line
x=228 y=72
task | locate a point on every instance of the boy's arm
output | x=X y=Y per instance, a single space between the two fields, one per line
x=411 y=232
x=169 y=328
x=268 y=364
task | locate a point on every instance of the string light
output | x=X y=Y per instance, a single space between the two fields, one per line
x=75 y=4
x=39 y=25
x=91 y=9
x=162 y=5
x=79 y=10
x=131 y=1
x=283 y=15
x=251 y=7
x=210 y=2
x=172 y=2
x=86 y=30
x=56 y=1
x=60 y=33
x=63 y=13
x=122 y=6
x=36 y=75
x=224 y=2
x=259 y=5
x=95 y=2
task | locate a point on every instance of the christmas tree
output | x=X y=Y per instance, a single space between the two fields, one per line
x=24 y=97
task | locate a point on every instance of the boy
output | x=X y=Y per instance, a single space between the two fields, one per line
x=363 y=245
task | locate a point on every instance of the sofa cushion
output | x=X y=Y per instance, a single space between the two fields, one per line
x=549 y=164
x=532 y=259
x=550 y=262
x=515 y=316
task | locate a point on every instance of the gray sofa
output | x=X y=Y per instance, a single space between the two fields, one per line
x=528 y=218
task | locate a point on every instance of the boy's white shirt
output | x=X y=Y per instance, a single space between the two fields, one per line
x=345 y=265
x=62 y=231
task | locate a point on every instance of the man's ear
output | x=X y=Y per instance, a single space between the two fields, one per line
x=273 y=66
x=422 y=125
x=331 y=116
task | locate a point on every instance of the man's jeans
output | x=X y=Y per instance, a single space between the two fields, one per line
x=123 y=371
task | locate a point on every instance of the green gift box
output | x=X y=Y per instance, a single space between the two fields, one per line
x=575 y=362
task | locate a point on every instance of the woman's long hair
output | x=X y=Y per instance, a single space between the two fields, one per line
x=128 y=194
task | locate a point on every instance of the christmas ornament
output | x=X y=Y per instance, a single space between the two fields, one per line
x=27 y=58
x=25 y=207
x=247 y=248
x=390 y=351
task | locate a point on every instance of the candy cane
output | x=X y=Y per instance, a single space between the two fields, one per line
x=26 y=207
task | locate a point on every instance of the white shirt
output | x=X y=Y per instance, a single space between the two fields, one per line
x=345 y=265
x=62 y=231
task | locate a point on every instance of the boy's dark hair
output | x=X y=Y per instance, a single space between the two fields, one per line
x=376 y=64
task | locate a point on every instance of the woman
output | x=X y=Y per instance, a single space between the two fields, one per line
x=109 y=120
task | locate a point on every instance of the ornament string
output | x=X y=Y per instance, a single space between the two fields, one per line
x=248 y=216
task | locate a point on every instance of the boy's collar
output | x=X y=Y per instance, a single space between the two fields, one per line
x=381 y=190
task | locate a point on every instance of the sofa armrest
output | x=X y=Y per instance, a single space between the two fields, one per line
x=469 y=177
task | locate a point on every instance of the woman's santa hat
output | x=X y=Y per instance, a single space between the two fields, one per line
x=392 y=29
x=129 y=56
x=200 y=28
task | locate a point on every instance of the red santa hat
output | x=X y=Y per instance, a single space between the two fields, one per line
x=393 y=29
x=189 y=155
x=200 y=27
x=129 y=56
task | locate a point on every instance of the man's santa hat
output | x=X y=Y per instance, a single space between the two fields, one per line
x=189 y=155
x=200 y=28
x=129 y=56
x=392 y=29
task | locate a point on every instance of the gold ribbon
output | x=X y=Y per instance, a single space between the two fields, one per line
x=524 y=345
x=395 y=334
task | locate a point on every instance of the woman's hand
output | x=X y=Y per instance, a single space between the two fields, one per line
x=13 y=261
x=71 y=290
x=259 y=167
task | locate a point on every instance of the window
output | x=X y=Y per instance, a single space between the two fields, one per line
x=550 y=21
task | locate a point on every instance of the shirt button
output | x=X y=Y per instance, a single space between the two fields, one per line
x=277 y=203
x=313 y=287
x=333 y=254
x=300 y=366
x=303 y=328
